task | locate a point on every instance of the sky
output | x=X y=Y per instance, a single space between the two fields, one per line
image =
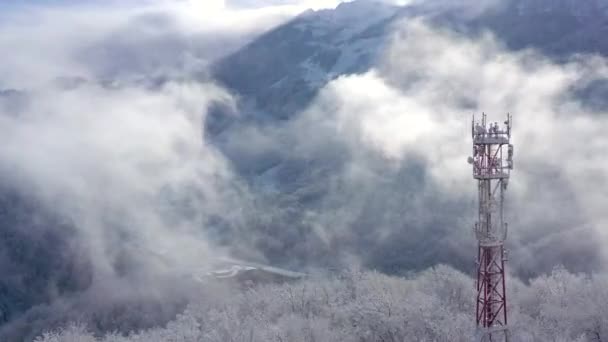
x=208 y=4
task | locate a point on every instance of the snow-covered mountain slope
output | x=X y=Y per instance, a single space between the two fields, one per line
x=278 y=74
x=558 y=28
x=281 y=71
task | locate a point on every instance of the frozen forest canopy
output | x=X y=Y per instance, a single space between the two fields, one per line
x=161 y=136
x=368 y=306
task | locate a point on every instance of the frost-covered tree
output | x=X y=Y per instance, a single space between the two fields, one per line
x=435 y=305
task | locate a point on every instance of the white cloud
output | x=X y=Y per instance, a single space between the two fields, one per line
x=420 y=100
x=79 y=39
x=93 y=142
x=122 y=162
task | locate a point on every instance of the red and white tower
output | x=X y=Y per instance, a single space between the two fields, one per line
x=492 y=164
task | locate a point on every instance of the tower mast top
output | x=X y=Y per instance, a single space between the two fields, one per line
x=492 y=162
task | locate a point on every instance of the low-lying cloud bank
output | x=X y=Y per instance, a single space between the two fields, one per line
x=134 y=185
x=374 y=171
x=105 y=128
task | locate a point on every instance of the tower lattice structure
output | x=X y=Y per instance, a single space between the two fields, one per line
x=492 y=164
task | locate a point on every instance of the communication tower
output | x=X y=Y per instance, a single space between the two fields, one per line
x=492 y=162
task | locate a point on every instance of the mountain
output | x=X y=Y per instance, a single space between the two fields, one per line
x=300 y=189
x=38 y=261
x=280 y=72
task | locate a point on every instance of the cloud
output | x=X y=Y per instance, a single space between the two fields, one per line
x=137 y=194
x=102 y=112
x=124 y=162
x=557 y=137
x=401 y=137
x=130 y=39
